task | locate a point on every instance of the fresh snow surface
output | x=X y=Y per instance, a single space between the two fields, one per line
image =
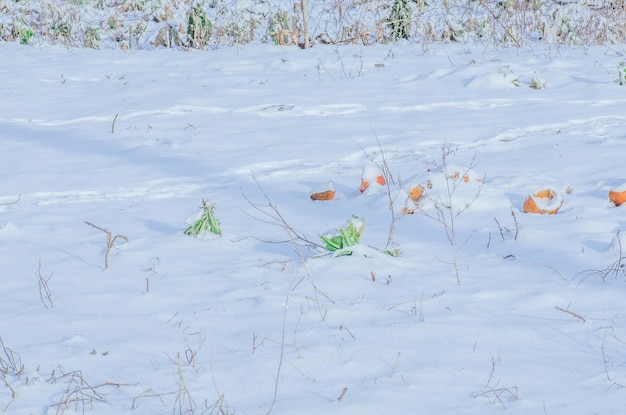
x=133 y=141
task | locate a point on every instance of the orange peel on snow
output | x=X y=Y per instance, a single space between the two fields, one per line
x=416 y=192
x=617 y=198
x=327 y=195
x=380 y=179
x=545 y=201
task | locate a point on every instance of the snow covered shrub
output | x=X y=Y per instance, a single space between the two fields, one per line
x=206 y=223
x=280 y=30
x=346 y=236
x=92 y=37
x=538 y=83
x=26 y=35
x=199 y=27
x=621 y=73
x=400 y=20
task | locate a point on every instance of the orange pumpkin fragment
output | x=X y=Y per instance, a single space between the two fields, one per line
x=546 y=201
x=617 y=198
x=327 y=195
x=416 y=192
x=365 y=184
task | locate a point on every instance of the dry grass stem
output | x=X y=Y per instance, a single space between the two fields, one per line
x=578 y=316
x=496 y=394
x=10 y=361
x=78 y=394
x=342 y=394
x=271 y=215
x=614 y=269
x=45 y=295
x=110 y=242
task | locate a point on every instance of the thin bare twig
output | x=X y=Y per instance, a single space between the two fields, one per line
x=608 y=360
x=110 y=241
x=113 y=124
x=614 y=269
x=45 y=295
x=342 y=394
x=447 y=211
x=389 y=181
x=516 y=224
x=275 y=218
x=495 y=393
x=571 y=313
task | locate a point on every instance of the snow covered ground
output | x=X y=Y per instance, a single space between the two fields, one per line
x=132 y=141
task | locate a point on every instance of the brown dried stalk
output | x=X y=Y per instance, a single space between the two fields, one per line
x=110 y=241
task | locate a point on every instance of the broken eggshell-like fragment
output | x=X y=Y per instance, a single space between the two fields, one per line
x=545 y=201
x=371 y=175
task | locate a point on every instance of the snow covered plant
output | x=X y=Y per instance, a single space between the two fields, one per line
x=206 y=223
x=621 y=73
x=346 y=236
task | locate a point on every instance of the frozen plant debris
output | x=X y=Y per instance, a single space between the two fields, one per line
x=348 y=235
x=206 y=223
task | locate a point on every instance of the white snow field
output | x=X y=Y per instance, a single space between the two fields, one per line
x=249 y=323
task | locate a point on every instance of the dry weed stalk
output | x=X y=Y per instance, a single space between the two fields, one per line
x=10 y=361
x=502 y=229
x=45 y=295
x=305 y=24
x=272 y=216
x=392 y=196
x=614 y=269
x=10 y=365
x=78 y=394
x=110 y=241
x=12 y=392
x=299 y=242
x=568 y=311
x=494 y=393
x=446 y=210
x=184 y=402
x=609 y=361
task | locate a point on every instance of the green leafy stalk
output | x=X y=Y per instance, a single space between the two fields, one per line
x=207 y=222
x=348 y=235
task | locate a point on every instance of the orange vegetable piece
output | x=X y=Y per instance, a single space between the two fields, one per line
x=416 y=192
x=327 y=195
x=617 y=198
x=530 y=206
x=365 y=184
